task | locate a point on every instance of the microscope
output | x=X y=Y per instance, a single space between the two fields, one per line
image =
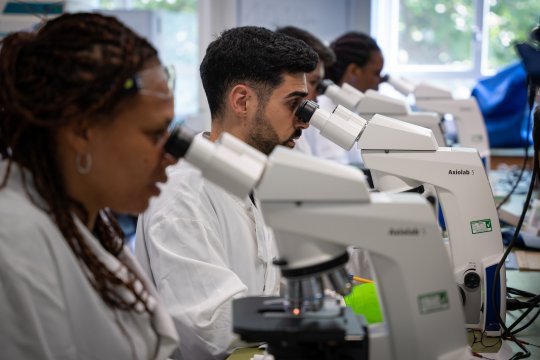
x=471 y=128
x=373 y=102
x=317 y=208
x=402 y=156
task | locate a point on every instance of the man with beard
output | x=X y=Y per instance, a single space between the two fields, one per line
x=202 y=246
x=311 y=137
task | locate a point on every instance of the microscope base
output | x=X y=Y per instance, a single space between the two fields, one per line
x=340 y=335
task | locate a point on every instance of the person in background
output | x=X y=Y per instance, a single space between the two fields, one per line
x=309 y=140
x=84 y=106
x=359 y=63
x=202 y=246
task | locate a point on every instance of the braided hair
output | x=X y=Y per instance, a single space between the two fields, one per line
x=72 y=67
x=352 y=47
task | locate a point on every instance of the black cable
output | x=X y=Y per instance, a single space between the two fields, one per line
x=536 y=124
x=480 y=340
x=482 y=335
x=530 y=102
x=536 y=300
x=532 y=305
x=515 y=304
x=528 y=323
x=514 y=291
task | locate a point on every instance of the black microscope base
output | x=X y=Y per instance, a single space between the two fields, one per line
x=339 y=337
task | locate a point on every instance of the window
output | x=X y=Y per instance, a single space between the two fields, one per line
x=172 y=27
x=447 y=39
x=440 y=39
x=507 y=22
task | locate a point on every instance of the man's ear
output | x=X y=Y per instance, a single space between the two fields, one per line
x=241 y=99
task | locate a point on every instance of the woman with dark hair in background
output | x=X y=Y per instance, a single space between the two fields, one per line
x=84 y=110
x=359 y=61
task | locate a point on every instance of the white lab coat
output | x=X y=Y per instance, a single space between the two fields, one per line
x=48 y=308
x=204 y=247
x=322 y=147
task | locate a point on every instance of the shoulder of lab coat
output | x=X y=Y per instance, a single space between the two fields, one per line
x=49 y=308
x=180 y=241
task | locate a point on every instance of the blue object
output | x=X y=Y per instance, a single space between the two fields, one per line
x=508 y=234
x=491 y=322
x=442 y=223
x=524 y=240
x=503 y=102
x=30 y=8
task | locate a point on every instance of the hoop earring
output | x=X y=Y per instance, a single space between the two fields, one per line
x=83 y=166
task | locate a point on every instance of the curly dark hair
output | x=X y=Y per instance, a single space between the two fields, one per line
x=73 y=66
x=254 y=55
x=352 y=47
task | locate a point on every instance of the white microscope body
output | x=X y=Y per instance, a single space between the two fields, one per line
x=317 y=209
x=402 y=156
x=372 y=102
x=471 y=128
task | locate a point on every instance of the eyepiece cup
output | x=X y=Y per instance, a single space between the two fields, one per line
x=178 y=143
x=306 y=110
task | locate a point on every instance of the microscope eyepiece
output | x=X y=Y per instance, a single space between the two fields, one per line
x=178 y=142
x=306 y=110
x=384 y=78
x=323 y=85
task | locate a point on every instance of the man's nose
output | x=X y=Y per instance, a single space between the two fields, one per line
x=301 y=124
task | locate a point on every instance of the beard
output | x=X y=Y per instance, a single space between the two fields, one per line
x=264 y=138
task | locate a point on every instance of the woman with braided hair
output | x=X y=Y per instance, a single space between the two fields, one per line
x=84 y=109
x=359 y=61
